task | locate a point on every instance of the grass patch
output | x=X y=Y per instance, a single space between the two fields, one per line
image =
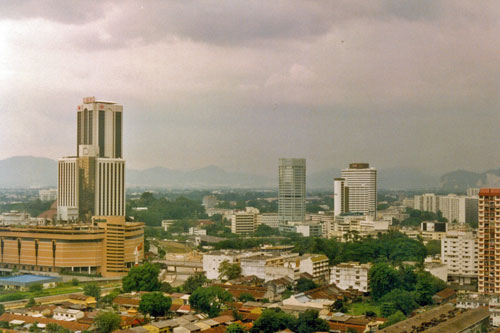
x=361 y=308
x=174 y=247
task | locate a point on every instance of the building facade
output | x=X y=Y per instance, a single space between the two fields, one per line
x=350 y=275
x=459 y=251
x=428 y=202
x=292 y=190
x=243 y=223
x=340 y=196
x=109 y=246
x=269 y=219
x=488 y=238
x=362 y=183
x=93 y=182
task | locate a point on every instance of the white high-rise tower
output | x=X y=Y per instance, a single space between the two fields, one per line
x=93 y=182
x=362 y=183
x=292 y=190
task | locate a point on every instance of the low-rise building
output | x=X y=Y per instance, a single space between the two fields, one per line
x=317 y=266
x=212 y=261
x=48 y=194
x=310 y=229
x=23 y=282
x=269 y=219
x=351 y=275
x=67 y=314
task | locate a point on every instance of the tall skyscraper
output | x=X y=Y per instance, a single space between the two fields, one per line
x=489 y=241
x=340 y=196
x=292 y=190
x=362 y=183
x=93 y=182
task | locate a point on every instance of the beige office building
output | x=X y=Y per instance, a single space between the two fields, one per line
x=108 y=246
x=243 y=223
x=93 y=182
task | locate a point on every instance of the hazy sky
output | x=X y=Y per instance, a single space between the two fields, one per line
x=241 y=83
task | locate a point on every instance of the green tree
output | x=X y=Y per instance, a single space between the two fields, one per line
x=31 y=302
x=34 y=327
x=54 y=328
x=402 y=300
x=108 y=299
x=427 y=286
x=433 y=247
x=2 y=309
x=246 y=297
x=273 y=320
x=304 y=284
x=229 y=271
x=92 y=289
x=166 y=287
x=142 y=278
x=209 y=300
x=107 y=322
x=194 y=282
x=235 y=328
x=309 y=322
x=394 y=318
x=155 y=304
x=75 y=282
x=35 y=287
x=383 y=278
x=408 y=277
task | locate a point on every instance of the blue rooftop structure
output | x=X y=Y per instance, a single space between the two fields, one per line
x=28 y=279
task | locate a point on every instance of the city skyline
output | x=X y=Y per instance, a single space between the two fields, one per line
x=392 y=83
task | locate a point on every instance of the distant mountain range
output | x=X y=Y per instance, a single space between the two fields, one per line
x=29 y=171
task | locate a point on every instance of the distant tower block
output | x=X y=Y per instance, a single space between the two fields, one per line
x=292 y=190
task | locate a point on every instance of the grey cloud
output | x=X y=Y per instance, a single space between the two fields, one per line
x=68 y=12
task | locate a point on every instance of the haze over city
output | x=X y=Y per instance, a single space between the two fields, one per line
x=238 y=85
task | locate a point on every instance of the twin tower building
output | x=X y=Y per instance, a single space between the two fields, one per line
x=355 y=192
x=92 y=183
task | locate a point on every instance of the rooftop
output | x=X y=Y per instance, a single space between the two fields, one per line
x=22 y=280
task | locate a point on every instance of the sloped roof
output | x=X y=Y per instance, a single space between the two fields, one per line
x=71 y=325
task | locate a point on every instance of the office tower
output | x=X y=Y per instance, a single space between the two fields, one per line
x=489 y=241
x=93 y=182
x=362 y=183
x=292 y=190
x=243 y=223
x=340 y=196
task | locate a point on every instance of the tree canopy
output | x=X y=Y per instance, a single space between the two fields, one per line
x=274 y=319
x=403 y=289
x=160 y=209
x=142 y=278
x=304 y=284
x=194 y=282
x=107 y=322
x=229 y=271
x=209 y=300
x=154 y=304
x=92 y=289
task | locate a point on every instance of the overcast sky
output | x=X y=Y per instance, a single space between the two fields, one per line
x=239 y=84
